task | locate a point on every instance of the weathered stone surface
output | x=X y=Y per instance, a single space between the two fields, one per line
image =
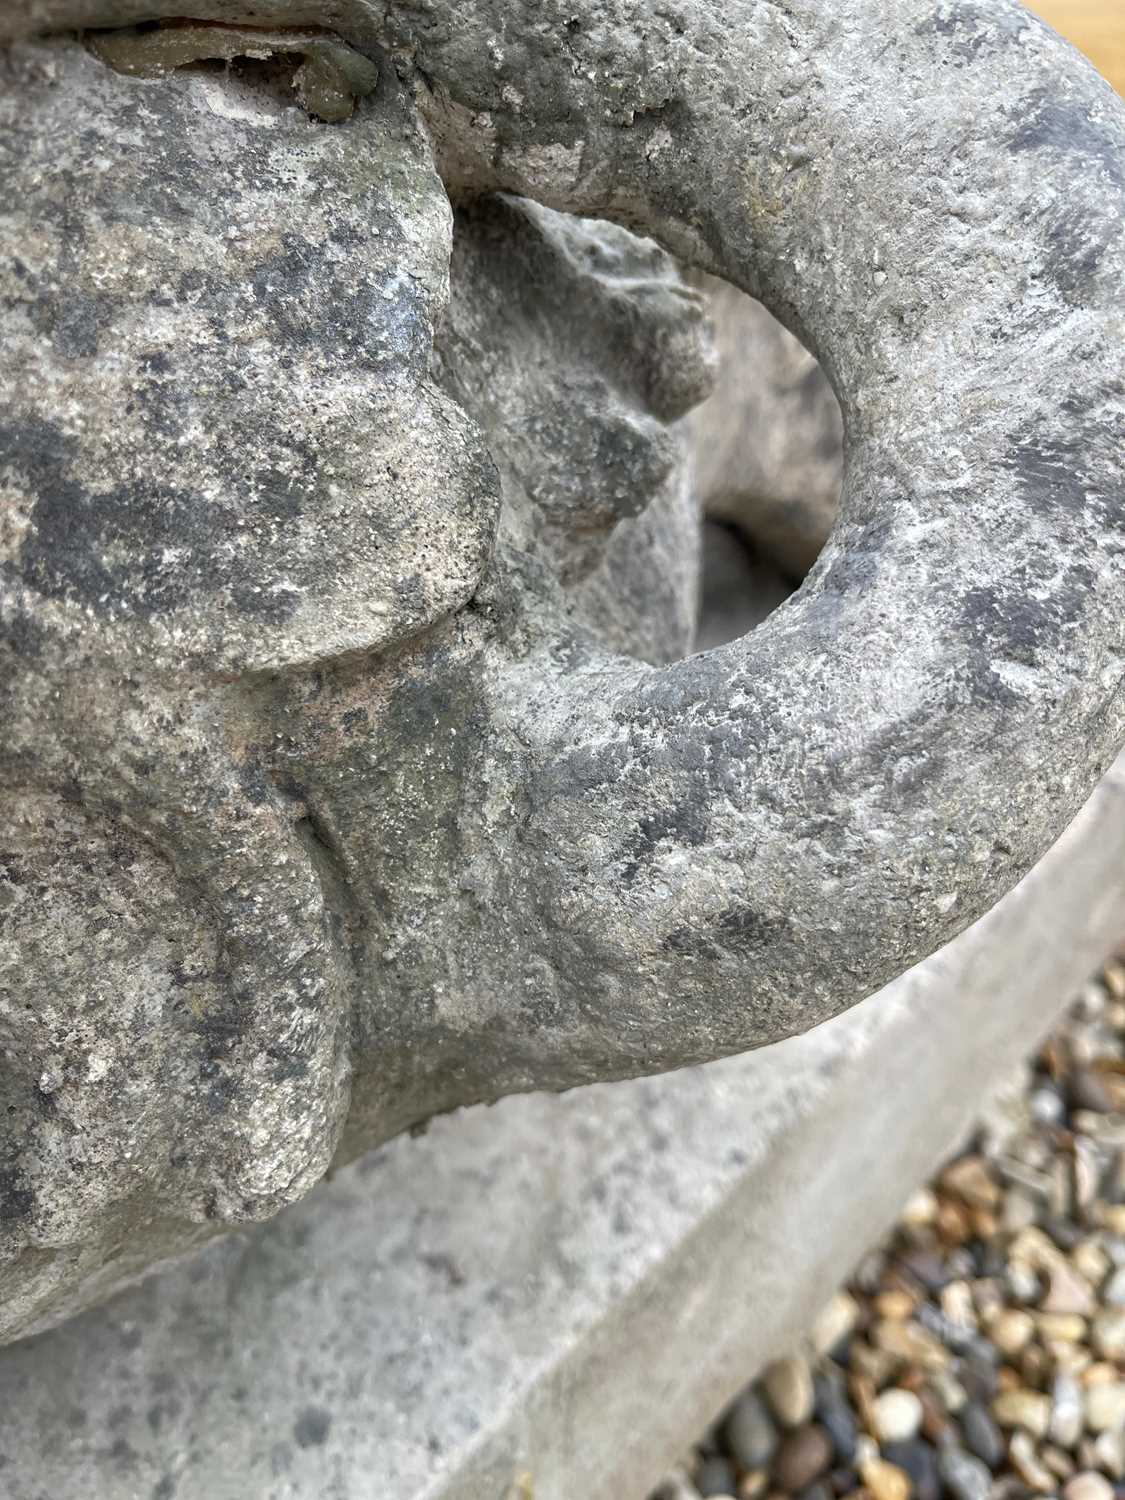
x=558 y=1294
x=328 y=804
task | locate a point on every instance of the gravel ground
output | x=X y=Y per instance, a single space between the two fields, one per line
x=979 y=1352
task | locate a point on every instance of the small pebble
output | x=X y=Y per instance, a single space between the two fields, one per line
x=1109 y=1453
x=949 y=1391
x=969 y=1177
x=1086 y=1090
x=1030 y=1410
x=1046 y=1105
x=982 y=1435
x=936 y=1422
x=875 y=1365
x=896 y=1305
x=957 y=1304
x=1012 y=1331
x=1065 y=1426
x=964 y=1476
x=1021 y=1208
x=1027 y=1464
x=910 y=1343
x=675 y=1486
x=1060 y=1464
x=748 y=1432
x=920 y=1208
x=1066 y=1328
x=978 y=1377
x=836 y=1322
x=715 y=1477
x=834 y=1414
x=898 y=1416
x=917 y=1459
x=1008 y=1487
x=789 y=1390
x=804 y=1455
x=1105 y=1406
x=1022 y=1281
x=926 y=1267
x=1088 y=1486
x=1068 y=1292
x=886 y=1481
x=1107 y=1333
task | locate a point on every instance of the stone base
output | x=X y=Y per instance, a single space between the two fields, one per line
x=549 y=1299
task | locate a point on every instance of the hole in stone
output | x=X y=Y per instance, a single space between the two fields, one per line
x=768 y=451
x=265 y=82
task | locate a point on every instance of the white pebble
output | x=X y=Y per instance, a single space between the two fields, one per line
x=1088 y=1486
x=898 y=1415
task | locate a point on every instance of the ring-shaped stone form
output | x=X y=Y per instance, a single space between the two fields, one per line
x=607 y=868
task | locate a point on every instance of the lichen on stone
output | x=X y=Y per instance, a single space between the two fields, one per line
x=327 y=82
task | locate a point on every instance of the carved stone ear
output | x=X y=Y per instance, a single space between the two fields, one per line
x=732 y=848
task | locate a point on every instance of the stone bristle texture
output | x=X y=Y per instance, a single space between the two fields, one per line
x=352 y=766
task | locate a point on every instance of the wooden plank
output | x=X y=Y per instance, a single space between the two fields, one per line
x=1097 y=27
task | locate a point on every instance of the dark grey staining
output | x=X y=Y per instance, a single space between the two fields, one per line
x=312 y=1427
x=140 y=548
x=971 y=31
x=76 y=320
x=17 y=1201
x=1046 y=121
x=736 y=932
x=380 y=320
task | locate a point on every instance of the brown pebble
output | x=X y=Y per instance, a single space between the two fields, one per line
x=911 y=1343
x=1087 y=1090
x=985 y=1224
x=753 y=1485
x=886 y=1481
x=875 y=1365
x=935 y=1424
x=1026 y=1462
x=1063 y=1328
x=1035 y=1365
x=1030 y=1410
x=1060 y=1464
x=1012 y=1331
x=803 y=1456
x=971 y=1180
x=896 y=1304
x=862 y=1391
x=1054 y=1057
x=954 y=1223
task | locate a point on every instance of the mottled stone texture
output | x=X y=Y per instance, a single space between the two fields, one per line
x=337 y=791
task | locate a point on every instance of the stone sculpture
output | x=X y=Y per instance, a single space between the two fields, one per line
x=353 y=768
